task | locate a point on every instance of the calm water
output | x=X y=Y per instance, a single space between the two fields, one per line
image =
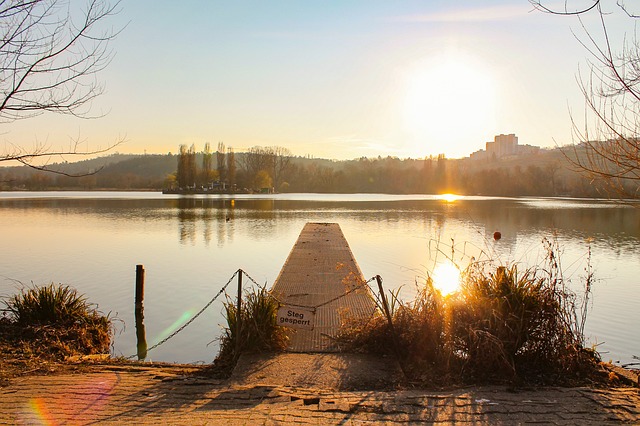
x=190 y=247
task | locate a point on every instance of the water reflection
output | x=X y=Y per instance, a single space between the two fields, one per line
x=202 y=215
x=193 y=244
x=141 y=335
x=214 y=220
x=608 y=223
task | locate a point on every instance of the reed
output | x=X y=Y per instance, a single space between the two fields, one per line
x=55 y=321
x=259 y=331
x=502 y=325
x=508 y=325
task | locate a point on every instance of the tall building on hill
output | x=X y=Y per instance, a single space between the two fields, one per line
x=503 y=146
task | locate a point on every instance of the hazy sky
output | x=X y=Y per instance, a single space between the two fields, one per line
x=332 y=79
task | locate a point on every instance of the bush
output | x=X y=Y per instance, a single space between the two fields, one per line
x=54 y=322
x=502 y=325
x=505 y=325
x=259 y=331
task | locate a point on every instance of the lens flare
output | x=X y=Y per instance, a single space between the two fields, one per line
x=38 y=413
x=450 y=198
x=186 y=316
x=88 y=401
x=446 y=278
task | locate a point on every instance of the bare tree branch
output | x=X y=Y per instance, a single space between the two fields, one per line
x=27 y=157
x=566 y=12
x=50 y=55
x=607 y=148
x=48 y=61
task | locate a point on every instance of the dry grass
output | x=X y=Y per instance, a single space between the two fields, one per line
x=259 y=331
x=420 y=340
x=506 y=325
x=502 y=326
x=45 y=325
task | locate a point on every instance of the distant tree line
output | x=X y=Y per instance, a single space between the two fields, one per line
x=545 y=174
x=258 y=168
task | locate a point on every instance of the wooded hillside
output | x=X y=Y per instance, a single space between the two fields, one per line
x=546 y=173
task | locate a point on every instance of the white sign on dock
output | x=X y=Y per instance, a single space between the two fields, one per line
x=295 y=317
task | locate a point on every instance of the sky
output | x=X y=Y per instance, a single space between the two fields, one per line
x=331 y=79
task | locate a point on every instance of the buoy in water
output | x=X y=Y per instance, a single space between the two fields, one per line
x=497 y=235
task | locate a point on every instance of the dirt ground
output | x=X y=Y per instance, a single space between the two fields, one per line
x=292 y=388
x=323 y=370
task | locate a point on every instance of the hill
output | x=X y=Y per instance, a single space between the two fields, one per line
x=544 y=173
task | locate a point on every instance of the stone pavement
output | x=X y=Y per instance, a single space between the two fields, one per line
x=176 y=395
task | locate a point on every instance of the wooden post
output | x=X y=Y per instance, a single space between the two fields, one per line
x=141 y=336
x=238 y=313
x=387 y=312
x=139 y=314
x=139 y=286
x=385 y=305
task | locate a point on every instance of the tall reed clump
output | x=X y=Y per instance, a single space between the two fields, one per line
x=55 y=321
x=510 y=325
x=420 y=335
x=502 y=325
x=259 y=331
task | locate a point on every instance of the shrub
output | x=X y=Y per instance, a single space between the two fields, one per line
x=502 y=324
x=258 y=332
x=55 y=321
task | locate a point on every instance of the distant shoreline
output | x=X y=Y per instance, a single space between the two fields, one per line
x=206 y=192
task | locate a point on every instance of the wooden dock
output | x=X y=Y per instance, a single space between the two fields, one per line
x=321 y=269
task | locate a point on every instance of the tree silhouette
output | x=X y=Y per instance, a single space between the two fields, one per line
x=50 y=55
x=608 y=144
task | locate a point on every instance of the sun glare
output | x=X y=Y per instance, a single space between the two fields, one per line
x=450 y=198
x=449 y=105
x=446 y=278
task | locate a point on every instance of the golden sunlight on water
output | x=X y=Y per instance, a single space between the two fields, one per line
x=450 y=198
x=446 y=278
x=92 y=241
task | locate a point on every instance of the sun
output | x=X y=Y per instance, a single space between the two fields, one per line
x=450 y=198
x=446 y=278
x=449 y=105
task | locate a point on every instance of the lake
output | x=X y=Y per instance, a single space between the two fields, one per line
x=191 y=245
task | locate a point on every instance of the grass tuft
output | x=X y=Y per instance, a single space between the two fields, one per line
x=503 y=325
x=57 y=321
x=259 y=331
x=51 y=304
x=49 y=324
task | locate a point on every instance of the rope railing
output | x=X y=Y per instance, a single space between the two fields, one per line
x=314 y=307
x=358 y=286
x=193 y=318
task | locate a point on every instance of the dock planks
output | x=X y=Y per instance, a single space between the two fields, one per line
x=320 y=268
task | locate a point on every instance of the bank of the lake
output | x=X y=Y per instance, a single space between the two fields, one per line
x=184 y=395
x=190 y=246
